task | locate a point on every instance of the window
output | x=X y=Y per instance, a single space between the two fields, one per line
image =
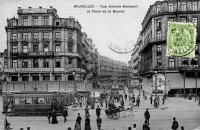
x=24 y=63
x=70 y=37
x=58 y=48
x=40 y=100
x=184 y=62
x=35 y=63
x=14 y=78
x=57 y=23
x=58 y=78
x=197 y=49
x=171 y=7
x=183 y=6
x=14 y=36
x=25 y=36
x=14 y=63
x=194 y=6
x=35 y=48
x=194 y=62
x=35 y=21
x=14 y=23
x=46 y=21
x=170 y=20
x=183 y=19
x=158 y=24
x=159 y=63
x=70 y=61
x=195 y=21
x=14 y=49
x=25 y=78
x=158 y=35
x=70 y=48
x=159 y=49
x=46 y=63
x=171 y=62
x=25 y=22
x=46 y=35
x=46 y=48
x=158 y=9
x=57 y=63
x=35 y=78
x=25 y=49
x=35 y=36
x=46 y=77
x=58 y=35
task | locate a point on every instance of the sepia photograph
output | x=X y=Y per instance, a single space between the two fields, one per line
x=100 y=65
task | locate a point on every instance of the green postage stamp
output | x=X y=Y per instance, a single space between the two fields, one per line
x=181 y=39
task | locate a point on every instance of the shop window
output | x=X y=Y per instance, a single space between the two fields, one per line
x=46 y=78
x=25 y=78
x=35 y=78
x=58 y=78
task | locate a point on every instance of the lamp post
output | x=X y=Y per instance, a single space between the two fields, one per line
x=75 y=89
x=165 y=74
x=156 y=83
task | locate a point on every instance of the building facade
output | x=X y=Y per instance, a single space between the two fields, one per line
x=44 y=51
x=112 y=72
x=173 y=74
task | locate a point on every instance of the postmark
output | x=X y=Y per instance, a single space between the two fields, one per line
x=181 y=39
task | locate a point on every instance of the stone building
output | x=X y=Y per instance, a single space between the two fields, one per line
x=111 y=72
x=44 y=51
x=173 y=74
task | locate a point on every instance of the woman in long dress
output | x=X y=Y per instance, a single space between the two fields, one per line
x=54 y=117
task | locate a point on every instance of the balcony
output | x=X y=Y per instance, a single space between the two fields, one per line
x=14 y=54
x=13 y=41
x=57 y=40
x=35 y=40
x=46 y=40
x=25 y=40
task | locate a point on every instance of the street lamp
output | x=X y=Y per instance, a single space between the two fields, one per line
x=165 y=74
x=75 y=89
x=156 y=83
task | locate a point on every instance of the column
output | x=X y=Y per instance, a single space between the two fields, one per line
x=30 y=77
x=19 y=78
x=40 y=77
x=51 y=77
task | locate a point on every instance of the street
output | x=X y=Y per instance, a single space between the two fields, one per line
x=186 y=111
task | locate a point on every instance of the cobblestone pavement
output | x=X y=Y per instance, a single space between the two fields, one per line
x=186 y=111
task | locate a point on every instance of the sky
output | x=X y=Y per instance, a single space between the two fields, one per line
x=120 y=29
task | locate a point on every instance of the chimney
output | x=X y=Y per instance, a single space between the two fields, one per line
x=40 y=7
x=19 y=7
x=29 y=7
x=51 y=7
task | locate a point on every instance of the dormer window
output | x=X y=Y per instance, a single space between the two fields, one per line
x=14 y=23
x=57 y=23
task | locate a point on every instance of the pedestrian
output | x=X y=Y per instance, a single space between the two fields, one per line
x=106 y=101
x=87 y=123
x=77 y=126
x=87 y=111
x=147 y=116
x=54 y=117
x=122 y=103
x=145 y=126
x=49 y=116
x=125 y=96
x=182 y=128
x=78 y=119
x=129 y=128
x=174 y=124
x=151 y=100
x=163 y=100
x=138 y=101
x=98 y=111
x=99 y=122
x=133 y=101
x=65 y=114
x=134 y=126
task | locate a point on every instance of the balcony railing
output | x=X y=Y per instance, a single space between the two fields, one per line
x=45 y=40
x=24 y=39
x=35 y=40
x=13 y=40
x=57 y=40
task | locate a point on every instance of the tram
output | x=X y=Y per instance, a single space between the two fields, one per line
x=35 y=103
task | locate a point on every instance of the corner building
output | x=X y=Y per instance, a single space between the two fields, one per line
x=43 y=49
x=174 y=74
